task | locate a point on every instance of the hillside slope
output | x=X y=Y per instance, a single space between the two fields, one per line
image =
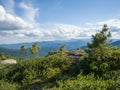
x=117 y=43
x=45 y=47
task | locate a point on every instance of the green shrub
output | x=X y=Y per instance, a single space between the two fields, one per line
x=7 y=86
x=87 y=83
x=2 y=56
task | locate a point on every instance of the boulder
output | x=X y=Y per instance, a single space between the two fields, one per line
x=9 y=61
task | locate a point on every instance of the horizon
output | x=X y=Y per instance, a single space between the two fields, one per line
x=70 y=40
x=26 y=21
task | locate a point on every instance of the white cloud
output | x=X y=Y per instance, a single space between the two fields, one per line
x=113 y=24
x=9 y=5
x=29 y=11
x=53 y=32
x=11 y=22
x=56 y=32
x=14 y=29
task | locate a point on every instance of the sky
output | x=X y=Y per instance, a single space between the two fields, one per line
x=49 y=20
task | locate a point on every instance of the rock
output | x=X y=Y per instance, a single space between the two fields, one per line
x=9 y=61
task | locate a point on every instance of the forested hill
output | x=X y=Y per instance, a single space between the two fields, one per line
x=117 y=43
x=95 y=68
x=46 y=46
x=70 y=44
x=10 y=52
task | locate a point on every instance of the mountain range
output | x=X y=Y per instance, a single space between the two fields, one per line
x=47 y=46
x=117 y=43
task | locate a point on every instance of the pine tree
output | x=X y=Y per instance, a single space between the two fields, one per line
x=99 y=45
x=100 y=39
x=2 y=56
x=34 y=49
x=62 y=50
x=22 y=51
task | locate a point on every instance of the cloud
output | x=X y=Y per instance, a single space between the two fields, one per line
x=113 y=24
x=29 y=12
x=14 y=29
x=9 y=5
x=50 y=32
x=110 y=23
x=11 y=22
x=54 y=32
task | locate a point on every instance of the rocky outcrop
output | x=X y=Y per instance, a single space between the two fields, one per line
x=76 y=54
x=8 y=61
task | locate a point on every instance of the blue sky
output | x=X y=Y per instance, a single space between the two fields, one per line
x=46 y=20
x=77 y=11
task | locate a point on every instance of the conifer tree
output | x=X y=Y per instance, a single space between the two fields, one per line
x=62 y=50
x=22 y=51
x=34 y=49
x=99 y=45
x=100 y=39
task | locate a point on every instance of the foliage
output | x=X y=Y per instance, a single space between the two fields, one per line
x=100 y=38
x=102 y=57
x=87 y=82
x=43 y=68
x=99 y=70
x=34 y=49
x=2 y=56
x=22 y=51
x=62 y=50
x=62 y=73
x=7 y=86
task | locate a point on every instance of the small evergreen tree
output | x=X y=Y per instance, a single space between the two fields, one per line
x=100 y=39
x=22 y=51
x=63 y=50
x=99 y=45
x=34 y=49
x=2 y=56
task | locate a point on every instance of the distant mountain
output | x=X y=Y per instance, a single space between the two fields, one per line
x=45 y=46
x=10 y=52
x=70 y=44
x=116 y=43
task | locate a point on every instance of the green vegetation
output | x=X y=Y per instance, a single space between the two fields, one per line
x=99 y=69
x=22 y=51
x=2 y=56
x=34 y=49
x=100 y=39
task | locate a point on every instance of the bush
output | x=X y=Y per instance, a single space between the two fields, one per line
x=2 y=56
x=86 y=83
x=59 y=72
x=7 y=86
